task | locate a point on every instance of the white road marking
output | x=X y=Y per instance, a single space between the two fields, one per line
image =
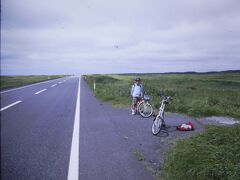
x=74 y=156
x=40 y=91
x=10 y=105
x=27 y=86
x=53 y=85
x=59 y=82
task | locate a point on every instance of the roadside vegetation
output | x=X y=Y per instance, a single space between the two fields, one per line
x=194 y=94
x=8 y=82
x=214 y=154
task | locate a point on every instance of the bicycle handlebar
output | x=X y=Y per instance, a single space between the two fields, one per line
x=167 y=98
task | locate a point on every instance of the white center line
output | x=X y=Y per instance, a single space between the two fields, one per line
x=10 y=105
x=59 y=82
x=74 y=156
x=53 y=85
x=40 y=91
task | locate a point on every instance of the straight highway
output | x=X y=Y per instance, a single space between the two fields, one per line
x=58 y=130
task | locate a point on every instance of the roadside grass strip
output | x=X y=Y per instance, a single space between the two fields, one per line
x=10 y=105
x=196 y=95
x=40 y=91
x=212 y=155
x=21 y=82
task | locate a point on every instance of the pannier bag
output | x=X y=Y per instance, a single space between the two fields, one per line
x=186 y=127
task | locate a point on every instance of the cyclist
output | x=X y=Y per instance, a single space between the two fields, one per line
x=136 y=93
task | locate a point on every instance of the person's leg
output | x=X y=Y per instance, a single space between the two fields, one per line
x=138 y=99
x=134 y=105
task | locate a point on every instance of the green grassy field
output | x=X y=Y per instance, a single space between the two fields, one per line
x=214 y=154
x=195 y=95
x=8 y=82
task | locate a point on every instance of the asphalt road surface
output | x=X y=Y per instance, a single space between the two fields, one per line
x=36 y=133
x=58 y=130
x=41 y=137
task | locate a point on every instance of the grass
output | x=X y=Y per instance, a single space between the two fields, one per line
x=139 y=155
x=194 y=94
x=214 y=154
x=8 y=82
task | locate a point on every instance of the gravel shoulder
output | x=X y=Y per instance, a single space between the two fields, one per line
x=218 y=120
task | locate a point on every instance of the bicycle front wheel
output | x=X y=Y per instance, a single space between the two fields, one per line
x=157 y=125
x=145 y=109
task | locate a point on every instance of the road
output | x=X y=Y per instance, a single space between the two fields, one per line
x=58 y=130
x=36 y=133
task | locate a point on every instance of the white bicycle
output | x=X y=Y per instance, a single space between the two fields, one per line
x=159 y=122
x=144 y=107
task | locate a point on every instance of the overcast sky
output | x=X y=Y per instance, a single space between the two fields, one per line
x=109 y=36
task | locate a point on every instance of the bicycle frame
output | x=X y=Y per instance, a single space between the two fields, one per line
x=142 y=100
x=165 y=100
x=161 y=110
x=159 y=120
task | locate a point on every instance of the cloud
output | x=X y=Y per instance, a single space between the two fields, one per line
x=90 y=36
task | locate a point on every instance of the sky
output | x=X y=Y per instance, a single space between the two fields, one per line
x=124 y=36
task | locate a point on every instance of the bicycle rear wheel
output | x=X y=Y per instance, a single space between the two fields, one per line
x=157 y=125
x=145 y=109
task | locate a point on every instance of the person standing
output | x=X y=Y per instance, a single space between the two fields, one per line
x=136 y=94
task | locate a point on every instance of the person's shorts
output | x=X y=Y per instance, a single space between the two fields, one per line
x=135 y=100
